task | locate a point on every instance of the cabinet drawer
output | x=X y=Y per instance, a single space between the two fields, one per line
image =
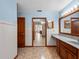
x=69 y=47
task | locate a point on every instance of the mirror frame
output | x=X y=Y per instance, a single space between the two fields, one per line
x=60 y=18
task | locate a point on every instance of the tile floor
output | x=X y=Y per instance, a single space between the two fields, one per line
x=37 y=53
x=39 y=40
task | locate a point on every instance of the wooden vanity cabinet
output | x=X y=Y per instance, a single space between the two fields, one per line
x=63 y=53
x=66 y=51
x=70 y=55
x=57 y=42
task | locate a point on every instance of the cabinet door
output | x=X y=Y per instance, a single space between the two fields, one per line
x=57 y=43
x=63 y=52
x=70 y=55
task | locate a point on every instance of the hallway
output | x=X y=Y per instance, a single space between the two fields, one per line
x=39 y=31
x=37 y=53
x=39 y=40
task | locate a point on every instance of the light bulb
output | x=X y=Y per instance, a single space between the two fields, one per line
x=75 y=7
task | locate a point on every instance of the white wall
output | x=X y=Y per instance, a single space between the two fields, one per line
x=50 y=40
x=8 y=40
x=8 y=29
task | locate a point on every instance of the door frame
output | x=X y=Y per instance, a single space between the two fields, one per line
x=33 y=37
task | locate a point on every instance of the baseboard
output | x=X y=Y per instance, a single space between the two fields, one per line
x=39 y=46
x=42 y=46
x=51 y=45
x=28 y=46
x=15 y=56
x=35 y=46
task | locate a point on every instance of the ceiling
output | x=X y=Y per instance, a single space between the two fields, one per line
x=49 y=5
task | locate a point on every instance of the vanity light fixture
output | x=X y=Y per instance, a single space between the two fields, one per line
x=75 y=8
x=72 y=9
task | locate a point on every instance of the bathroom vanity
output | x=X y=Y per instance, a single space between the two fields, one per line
x=68 y=39
x=67 y=47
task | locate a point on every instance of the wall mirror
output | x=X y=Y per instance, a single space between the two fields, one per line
x=69 y=24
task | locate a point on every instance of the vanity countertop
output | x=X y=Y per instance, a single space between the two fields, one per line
x=72 y=40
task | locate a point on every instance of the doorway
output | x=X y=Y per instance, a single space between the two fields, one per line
x=39 y=31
